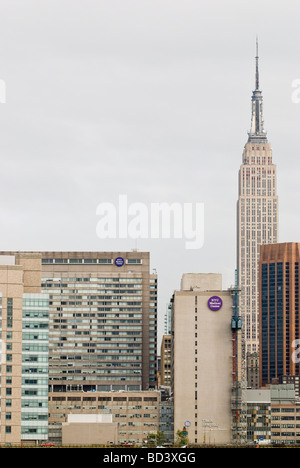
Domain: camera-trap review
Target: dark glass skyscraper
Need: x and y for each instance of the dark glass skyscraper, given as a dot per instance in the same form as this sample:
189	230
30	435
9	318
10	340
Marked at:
279	311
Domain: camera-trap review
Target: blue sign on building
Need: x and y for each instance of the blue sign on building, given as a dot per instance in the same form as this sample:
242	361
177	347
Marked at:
119	261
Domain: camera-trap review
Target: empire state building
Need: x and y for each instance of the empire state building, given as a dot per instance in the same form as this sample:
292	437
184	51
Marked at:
257	216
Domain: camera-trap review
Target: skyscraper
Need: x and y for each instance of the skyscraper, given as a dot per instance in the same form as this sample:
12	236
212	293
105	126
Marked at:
24	319
102	320
202	362
257	216
279	311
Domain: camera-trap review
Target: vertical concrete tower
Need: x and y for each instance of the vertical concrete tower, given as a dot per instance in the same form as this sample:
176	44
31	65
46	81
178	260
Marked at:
257	216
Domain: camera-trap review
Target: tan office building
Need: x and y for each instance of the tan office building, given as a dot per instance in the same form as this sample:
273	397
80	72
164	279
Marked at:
136	415
89	429
165	361
202	358
24	351
272	415
103	320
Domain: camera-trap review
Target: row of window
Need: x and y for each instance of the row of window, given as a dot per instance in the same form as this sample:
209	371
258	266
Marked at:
102	398
102	261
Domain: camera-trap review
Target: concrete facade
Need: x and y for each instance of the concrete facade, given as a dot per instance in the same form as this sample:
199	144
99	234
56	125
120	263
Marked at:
23	370
202	362
87	429
272	415
102	305
136	413
165	364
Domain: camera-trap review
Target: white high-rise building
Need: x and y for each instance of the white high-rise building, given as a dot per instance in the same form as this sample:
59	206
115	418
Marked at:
202	358
257	216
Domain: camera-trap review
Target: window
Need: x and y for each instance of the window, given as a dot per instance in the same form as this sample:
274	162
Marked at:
9	313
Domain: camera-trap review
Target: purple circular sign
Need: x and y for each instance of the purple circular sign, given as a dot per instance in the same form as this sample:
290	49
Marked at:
215	303
119	261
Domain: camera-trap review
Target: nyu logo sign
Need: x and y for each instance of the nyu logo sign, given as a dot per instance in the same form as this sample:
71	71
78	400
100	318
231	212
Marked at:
119	261
215	303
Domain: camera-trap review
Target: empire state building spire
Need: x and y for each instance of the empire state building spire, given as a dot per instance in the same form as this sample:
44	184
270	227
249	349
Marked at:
257	218
257	133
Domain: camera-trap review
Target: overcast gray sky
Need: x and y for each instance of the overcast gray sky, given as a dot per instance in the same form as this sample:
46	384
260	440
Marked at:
148	98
